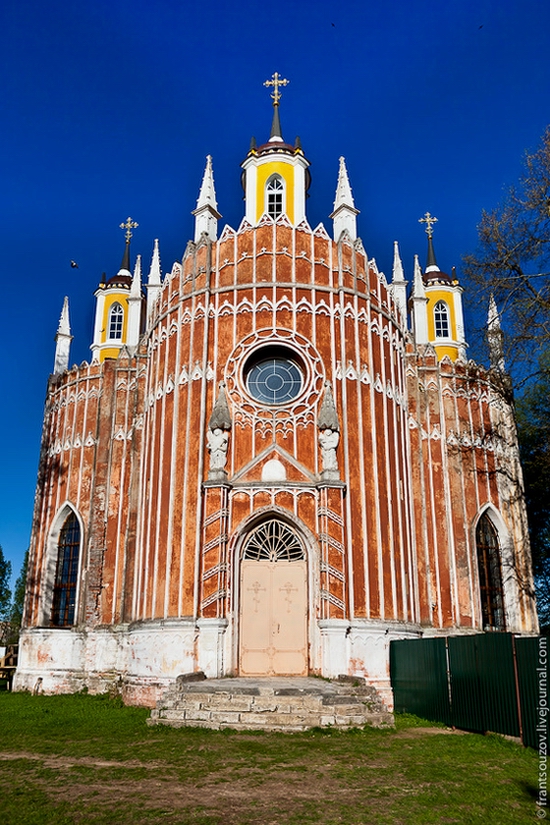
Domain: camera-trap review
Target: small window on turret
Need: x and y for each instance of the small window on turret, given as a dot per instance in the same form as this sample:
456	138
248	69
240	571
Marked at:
116	317
274	191
441	318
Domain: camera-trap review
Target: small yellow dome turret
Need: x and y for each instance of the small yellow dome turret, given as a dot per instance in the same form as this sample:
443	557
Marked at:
443	307
118	307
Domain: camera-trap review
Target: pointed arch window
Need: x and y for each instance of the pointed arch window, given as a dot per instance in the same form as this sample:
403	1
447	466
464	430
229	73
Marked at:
116	319
441	319
66	572
274	195
490	575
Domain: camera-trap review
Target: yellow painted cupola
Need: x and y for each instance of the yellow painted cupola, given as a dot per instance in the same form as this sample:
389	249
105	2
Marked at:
119	306
437	305
275	175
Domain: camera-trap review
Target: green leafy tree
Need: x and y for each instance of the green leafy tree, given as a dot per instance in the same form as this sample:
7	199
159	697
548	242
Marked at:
533	416
513	263
5	597
5	592
16	614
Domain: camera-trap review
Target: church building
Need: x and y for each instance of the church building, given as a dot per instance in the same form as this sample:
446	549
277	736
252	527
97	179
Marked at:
276	461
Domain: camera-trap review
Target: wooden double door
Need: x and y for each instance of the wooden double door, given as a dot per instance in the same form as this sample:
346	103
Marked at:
273	617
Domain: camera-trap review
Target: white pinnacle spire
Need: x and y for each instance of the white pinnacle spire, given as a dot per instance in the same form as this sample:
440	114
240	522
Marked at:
344	213
420	302
397	274
134	306
343	189
154	283
495	337
399	284
418	284
63	340
493	317
154	272
207	195
206	214
64	327
135	290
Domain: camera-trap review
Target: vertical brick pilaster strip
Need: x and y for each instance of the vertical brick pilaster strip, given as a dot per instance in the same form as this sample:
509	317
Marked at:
214	572
334	578
96	543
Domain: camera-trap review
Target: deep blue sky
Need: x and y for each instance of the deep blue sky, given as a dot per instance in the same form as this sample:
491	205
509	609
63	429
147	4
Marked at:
109	109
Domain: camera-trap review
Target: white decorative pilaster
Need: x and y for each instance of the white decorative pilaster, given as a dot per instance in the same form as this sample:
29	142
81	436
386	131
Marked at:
134	307
398	286
459	317
206	214
98	322
419	306
210	646
250	167
335	647
63	340
344	214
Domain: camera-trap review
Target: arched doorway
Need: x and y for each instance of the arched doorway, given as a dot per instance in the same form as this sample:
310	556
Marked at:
273	603
490	575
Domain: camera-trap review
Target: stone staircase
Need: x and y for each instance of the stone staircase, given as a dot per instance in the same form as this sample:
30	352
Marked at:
279	703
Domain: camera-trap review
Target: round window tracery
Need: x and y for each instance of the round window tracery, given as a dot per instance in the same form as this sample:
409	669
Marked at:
274	540
286	417
274	377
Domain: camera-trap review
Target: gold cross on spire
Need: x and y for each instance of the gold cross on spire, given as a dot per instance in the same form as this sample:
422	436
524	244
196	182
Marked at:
128	226
427	219
276	81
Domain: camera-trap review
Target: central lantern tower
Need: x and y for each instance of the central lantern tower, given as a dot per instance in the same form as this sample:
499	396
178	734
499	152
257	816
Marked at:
276	175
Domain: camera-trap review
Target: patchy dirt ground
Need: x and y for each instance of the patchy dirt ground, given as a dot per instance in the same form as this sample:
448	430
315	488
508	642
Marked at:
415	776
88	761
236	795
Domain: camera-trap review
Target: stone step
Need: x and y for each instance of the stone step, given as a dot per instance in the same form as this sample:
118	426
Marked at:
270	704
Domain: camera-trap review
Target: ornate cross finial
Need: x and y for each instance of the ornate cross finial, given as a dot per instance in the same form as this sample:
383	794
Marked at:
128	226
276	82
427	219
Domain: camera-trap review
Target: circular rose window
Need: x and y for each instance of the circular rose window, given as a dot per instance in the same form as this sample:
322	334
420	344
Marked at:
274	376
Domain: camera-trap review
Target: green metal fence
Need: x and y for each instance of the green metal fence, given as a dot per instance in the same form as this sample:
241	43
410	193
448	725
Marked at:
531	655
482	682
419	678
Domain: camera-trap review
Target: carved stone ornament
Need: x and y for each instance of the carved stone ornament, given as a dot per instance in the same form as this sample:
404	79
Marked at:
220	417
329	435
216	442
328	417
217	436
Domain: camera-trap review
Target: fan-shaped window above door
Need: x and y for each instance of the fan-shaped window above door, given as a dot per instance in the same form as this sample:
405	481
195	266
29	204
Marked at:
274	540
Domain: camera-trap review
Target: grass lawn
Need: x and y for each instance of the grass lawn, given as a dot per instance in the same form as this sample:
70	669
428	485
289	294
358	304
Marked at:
90	760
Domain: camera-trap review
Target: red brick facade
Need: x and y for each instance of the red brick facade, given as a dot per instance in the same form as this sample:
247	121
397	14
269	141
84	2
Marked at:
425	448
